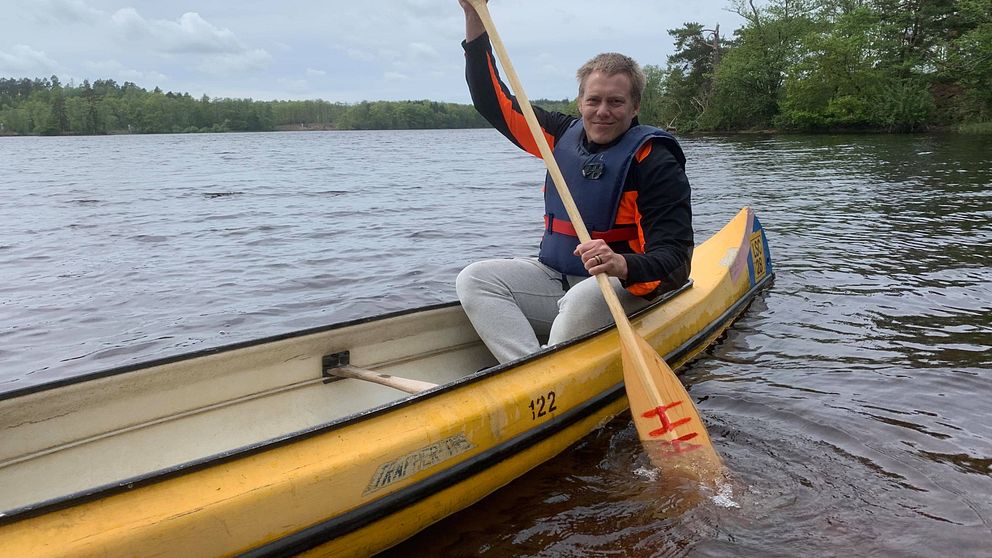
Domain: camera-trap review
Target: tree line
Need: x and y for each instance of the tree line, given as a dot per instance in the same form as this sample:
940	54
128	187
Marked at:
47	107
893	65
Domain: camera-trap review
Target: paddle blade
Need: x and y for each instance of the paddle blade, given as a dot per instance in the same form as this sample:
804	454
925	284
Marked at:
667	421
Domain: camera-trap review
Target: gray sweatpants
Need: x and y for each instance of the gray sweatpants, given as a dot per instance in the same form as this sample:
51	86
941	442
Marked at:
518	304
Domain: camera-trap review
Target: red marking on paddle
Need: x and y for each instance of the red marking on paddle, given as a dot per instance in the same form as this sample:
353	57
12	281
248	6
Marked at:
676	445
666	423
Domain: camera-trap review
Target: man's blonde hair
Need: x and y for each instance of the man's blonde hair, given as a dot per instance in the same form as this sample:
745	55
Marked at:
611	64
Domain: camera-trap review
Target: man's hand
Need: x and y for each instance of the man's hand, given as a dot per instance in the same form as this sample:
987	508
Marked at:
598	257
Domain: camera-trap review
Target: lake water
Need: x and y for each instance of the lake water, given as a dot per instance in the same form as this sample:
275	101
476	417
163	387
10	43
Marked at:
852	403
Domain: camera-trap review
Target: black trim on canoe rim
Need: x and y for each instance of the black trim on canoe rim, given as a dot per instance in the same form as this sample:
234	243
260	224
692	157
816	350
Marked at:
391	503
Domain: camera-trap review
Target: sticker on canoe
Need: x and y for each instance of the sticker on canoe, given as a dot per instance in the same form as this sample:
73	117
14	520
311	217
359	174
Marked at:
729	258
412	463
758	253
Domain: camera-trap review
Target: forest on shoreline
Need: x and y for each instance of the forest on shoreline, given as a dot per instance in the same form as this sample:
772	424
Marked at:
46	107
795	65
831	65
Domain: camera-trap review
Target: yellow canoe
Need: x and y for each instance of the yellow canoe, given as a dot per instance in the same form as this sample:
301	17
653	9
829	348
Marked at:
258	449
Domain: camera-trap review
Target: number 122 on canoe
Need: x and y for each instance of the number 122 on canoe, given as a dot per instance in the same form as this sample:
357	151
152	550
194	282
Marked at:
542	405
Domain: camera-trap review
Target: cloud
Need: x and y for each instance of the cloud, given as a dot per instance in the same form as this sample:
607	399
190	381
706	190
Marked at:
191	34
550	65
423	51
116	70
359	54
23	60
63	11
108	67
294	85
427	9
410	50
235	62
136	76
220	49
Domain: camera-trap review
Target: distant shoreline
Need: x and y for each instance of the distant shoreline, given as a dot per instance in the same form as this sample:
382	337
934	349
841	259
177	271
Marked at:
978	129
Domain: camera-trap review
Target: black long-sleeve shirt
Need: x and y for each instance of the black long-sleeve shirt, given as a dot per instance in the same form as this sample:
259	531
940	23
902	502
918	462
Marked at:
663	196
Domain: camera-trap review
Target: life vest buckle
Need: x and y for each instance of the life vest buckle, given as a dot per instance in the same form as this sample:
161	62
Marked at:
593	170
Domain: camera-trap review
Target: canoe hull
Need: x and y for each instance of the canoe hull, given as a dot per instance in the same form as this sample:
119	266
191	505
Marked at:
357	484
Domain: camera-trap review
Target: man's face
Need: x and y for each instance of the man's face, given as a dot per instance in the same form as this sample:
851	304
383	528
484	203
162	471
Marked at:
606	106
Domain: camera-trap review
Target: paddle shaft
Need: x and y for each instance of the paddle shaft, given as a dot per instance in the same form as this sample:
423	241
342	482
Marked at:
626	331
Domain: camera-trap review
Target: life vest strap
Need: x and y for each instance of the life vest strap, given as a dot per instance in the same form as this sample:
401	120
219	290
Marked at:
613	235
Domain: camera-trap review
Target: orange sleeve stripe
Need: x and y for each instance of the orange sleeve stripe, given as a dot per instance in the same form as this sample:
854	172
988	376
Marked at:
643	152
627	212
641	289
515	121
637	245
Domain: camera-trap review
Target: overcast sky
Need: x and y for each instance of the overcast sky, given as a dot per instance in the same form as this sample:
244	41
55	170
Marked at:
337	50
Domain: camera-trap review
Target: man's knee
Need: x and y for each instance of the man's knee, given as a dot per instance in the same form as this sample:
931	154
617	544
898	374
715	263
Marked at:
581	310
475	278
471	272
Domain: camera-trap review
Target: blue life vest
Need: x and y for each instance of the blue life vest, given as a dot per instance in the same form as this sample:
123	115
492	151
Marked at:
596	182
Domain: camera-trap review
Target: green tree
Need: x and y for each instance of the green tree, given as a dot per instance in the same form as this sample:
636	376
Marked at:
58	121
964	88
835	82
685	90
749	81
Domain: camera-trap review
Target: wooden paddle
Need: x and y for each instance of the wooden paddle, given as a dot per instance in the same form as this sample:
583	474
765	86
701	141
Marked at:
666	419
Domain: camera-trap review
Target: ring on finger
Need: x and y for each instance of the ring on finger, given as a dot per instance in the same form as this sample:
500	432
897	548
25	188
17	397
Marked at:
599	261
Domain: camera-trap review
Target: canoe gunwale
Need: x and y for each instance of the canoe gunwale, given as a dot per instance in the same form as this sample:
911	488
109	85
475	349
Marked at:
402	498
118	370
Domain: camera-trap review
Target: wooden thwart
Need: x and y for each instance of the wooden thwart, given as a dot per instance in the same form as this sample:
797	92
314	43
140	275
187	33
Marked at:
403	384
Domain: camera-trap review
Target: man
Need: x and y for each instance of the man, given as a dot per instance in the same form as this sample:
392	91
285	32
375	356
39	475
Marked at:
629	184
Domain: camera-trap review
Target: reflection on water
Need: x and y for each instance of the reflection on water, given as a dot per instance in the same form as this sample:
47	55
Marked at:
849	402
